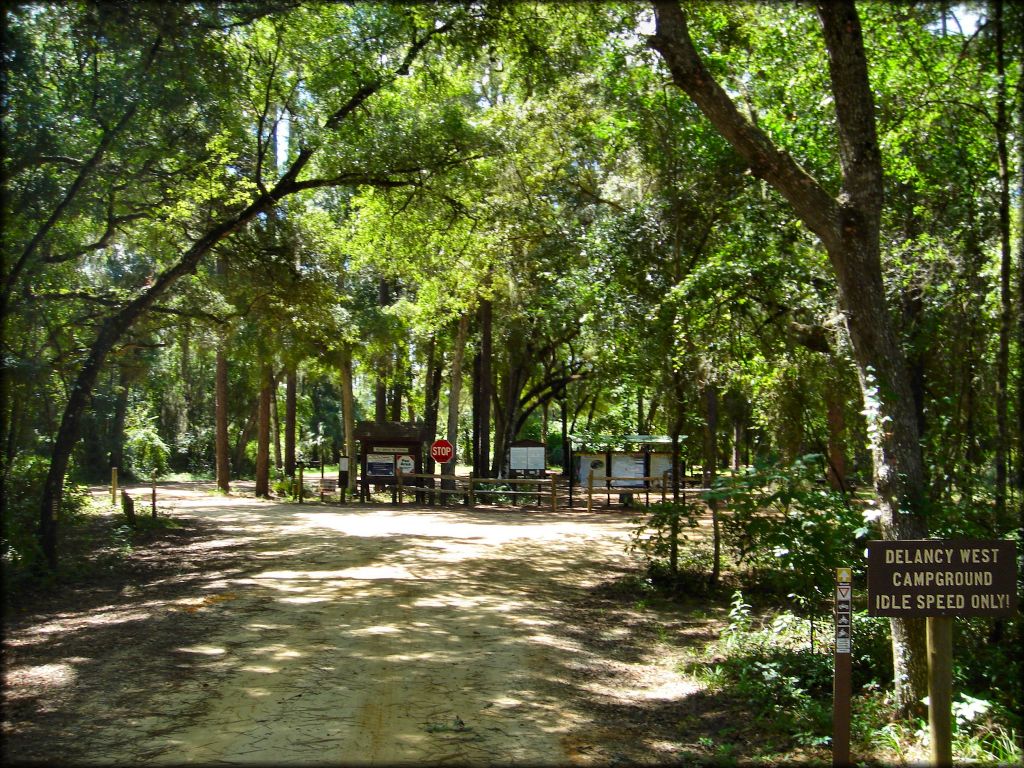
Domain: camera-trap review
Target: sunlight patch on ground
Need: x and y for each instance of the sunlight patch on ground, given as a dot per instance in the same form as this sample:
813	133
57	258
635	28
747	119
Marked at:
307	600
55	675
379	629
205	650
98	617
369	572
553	641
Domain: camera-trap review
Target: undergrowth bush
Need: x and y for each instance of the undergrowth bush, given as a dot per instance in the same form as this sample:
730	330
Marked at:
19	546
770	665
653	536
788	529
145	452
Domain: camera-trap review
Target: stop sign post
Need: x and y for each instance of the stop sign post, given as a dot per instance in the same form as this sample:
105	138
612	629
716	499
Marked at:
442	451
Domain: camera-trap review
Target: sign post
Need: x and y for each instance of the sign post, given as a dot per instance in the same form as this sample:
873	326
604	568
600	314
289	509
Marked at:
842	688
938	580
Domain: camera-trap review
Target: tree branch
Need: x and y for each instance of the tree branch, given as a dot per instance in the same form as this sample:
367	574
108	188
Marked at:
815	207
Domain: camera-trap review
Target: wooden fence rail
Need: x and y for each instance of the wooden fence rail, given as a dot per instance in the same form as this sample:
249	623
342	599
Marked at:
602	486
467	486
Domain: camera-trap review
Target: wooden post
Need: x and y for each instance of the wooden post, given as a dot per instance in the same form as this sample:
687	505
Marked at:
128	507
554	495
572	476
673	544
301	465
842	686
472	493
940	689
113	486
400	488
154	493
590	491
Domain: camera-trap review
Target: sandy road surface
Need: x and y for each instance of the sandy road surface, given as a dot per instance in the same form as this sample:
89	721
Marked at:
312	634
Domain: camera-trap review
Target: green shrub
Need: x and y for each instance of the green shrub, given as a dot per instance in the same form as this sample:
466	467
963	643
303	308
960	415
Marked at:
787	687
653	539
144	449
19	546
788	529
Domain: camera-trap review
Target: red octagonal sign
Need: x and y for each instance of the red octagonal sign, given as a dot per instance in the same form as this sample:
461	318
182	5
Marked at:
442	451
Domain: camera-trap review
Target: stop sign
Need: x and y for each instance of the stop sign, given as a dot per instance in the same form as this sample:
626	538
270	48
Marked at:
441	451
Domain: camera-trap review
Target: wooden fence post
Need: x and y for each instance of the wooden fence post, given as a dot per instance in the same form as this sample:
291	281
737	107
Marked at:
554	495
940	689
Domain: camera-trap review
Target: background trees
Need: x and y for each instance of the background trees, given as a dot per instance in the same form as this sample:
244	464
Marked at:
215	214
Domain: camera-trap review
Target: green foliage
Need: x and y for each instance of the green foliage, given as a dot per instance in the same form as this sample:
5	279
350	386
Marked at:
19	547
145	451
653	537
786	685
789	529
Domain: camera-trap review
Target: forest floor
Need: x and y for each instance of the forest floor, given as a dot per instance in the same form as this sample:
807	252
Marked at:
262	632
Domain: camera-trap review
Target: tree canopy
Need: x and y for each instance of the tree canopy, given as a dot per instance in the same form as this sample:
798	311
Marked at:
626	210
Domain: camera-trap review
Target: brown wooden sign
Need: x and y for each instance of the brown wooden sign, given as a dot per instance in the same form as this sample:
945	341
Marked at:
942	578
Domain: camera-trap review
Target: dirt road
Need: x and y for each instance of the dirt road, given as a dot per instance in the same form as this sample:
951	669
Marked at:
310	634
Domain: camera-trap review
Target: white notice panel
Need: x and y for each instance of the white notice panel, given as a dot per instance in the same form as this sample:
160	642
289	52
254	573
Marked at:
591	462
630	465
526	457
660	464
535	458
517	457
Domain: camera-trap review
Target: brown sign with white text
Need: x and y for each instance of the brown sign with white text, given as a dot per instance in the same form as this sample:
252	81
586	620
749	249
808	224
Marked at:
942	578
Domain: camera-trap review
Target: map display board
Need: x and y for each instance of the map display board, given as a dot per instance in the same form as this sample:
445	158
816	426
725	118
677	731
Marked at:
628	465
527	458
380	465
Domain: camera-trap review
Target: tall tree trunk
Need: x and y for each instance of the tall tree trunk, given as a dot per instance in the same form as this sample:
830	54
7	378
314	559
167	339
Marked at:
291	385
505	431
185	343
120	416
1005	294
710	472
263	434
275	430
380	399
1020	291
222	461
486	381
849	228
835	472
348	414
396	401
652	411
544	423
566	453
640	427
454	392
431	396
478	460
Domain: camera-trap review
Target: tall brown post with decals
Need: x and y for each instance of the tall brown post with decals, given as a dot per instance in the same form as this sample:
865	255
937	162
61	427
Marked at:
842	688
